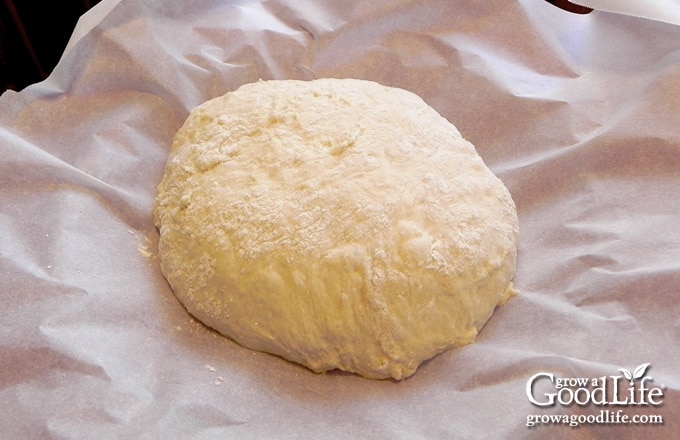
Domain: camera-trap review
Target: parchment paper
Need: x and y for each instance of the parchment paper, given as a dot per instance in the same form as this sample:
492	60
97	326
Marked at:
667	11
577	114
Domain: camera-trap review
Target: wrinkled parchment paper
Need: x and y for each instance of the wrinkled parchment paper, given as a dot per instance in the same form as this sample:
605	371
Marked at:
667	11
577	114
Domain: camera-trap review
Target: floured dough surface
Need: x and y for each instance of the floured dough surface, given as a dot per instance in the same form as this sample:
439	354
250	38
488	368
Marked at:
339	224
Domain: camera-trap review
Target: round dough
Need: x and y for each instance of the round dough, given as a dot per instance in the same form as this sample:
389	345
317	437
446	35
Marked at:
337	223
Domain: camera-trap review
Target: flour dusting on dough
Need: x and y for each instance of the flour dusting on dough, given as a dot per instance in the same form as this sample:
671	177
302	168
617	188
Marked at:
339	224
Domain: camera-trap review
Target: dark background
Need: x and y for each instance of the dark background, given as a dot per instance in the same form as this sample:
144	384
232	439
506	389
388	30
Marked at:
33	35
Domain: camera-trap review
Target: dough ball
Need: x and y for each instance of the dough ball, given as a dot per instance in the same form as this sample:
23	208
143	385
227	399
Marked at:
337	223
